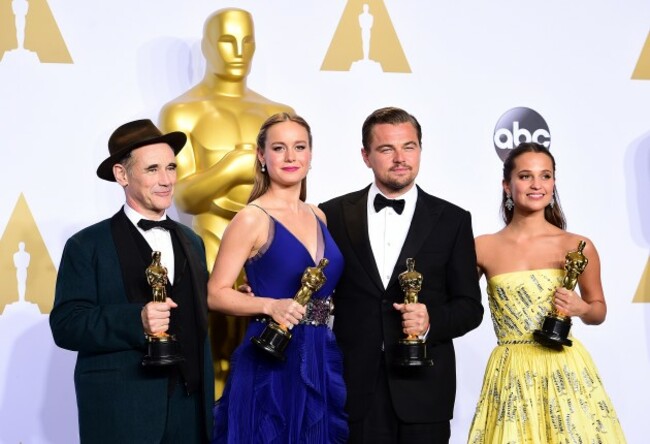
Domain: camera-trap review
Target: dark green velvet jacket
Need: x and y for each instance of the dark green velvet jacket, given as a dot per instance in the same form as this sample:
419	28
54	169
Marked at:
118	400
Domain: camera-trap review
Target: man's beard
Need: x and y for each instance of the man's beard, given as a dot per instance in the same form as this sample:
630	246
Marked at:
394	185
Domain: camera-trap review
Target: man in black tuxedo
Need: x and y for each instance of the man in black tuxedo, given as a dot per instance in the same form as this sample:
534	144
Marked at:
377	229
103	304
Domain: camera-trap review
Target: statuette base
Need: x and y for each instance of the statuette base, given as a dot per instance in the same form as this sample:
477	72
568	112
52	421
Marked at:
273	340
162	351
412	353
554	332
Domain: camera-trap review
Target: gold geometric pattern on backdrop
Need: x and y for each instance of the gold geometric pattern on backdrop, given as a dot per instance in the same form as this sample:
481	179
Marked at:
28	31
642	70
25	263
643	290
346	49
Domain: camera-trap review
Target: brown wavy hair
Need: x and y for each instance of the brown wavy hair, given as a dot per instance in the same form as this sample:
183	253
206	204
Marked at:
390	115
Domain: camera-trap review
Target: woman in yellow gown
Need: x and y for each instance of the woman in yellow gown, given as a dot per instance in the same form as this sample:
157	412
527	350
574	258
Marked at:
532	393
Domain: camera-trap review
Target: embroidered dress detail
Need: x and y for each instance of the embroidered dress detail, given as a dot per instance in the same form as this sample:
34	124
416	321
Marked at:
532	394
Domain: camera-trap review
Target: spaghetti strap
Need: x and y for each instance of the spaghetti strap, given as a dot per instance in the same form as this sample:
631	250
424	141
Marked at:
270	235
257	206
318	219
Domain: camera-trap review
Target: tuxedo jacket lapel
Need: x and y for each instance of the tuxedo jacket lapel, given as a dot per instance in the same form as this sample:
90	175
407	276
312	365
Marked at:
133	254
355	216
424	219
199	285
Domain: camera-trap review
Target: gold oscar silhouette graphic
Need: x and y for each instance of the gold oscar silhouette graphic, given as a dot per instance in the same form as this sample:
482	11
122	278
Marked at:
642	68
411	351
365	41
275	337
221	117
555	329
28	275
643	289
29	33
162	348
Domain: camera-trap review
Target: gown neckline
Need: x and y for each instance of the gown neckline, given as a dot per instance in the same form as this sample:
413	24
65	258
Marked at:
304	247
532	270
319	236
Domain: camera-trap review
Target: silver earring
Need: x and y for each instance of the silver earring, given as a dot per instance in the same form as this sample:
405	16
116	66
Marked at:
552	202
509	203
263	168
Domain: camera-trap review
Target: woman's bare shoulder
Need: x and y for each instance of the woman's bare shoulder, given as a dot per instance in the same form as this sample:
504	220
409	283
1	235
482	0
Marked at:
489	239
250	217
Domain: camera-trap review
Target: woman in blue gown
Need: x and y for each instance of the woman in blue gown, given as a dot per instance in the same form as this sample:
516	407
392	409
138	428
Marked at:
275	238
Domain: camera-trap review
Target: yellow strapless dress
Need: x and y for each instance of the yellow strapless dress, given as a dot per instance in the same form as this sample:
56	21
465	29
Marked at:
532	394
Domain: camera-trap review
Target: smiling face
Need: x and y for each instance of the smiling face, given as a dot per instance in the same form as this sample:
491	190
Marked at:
532	182
393	155
148	179
286	153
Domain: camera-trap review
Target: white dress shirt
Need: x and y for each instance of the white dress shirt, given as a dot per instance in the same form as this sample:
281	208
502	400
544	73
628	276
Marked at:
158	239
387	230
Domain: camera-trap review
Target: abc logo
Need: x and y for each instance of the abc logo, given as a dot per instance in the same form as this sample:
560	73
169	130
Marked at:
519	125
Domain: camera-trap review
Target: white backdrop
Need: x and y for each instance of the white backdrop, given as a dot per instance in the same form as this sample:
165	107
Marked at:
470	61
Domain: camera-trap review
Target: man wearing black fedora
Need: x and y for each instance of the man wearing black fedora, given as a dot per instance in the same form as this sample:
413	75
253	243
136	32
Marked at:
103	306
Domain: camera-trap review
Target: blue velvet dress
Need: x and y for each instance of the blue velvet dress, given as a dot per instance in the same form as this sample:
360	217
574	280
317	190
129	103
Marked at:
302	399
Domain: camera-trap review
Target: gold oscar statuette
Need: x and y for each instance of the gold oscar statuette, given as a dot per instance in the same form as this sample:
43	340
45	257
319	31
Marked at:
555	329
275	337
162	348
411	351
221	116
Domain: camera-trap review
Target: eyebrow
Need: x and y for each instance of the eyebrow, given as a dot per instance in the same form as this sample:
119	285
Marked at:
297	142
530	171
393	145
156	165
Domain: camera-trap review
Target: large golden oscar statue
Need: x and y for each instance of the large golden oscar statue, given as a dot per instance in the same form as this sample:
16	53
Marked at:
221	117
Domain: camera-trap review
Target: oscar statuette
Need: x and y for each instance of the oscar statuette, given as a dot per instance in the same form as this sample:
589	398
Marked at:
411	351
555	329
162	348
275	337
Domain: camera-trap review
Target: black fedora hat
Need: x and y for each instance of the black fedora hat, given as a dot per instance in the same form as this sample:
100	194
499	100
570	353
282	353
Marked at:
134	135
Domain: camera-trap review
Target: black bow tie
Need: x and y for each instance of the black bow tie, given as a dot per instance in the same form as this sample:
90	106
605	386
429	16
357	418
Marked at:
146	224
381	202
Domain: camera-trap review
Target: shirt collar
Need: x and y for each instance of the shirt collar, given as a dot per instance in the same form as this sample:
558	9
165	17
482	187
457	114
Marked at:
134	216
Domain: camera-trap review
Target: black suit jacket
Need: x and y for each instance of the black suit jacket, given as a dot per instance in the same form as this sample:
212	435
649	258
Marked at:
442	243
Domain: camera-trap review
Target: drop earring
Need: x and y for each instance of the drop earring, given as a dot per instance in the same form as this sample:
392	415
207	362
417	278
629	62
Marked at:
552	202
263	168
510	204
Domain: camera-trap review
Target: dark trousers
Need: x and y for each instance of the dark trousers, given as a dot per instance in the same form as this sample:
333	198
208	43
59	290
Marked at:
184	418
382	426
